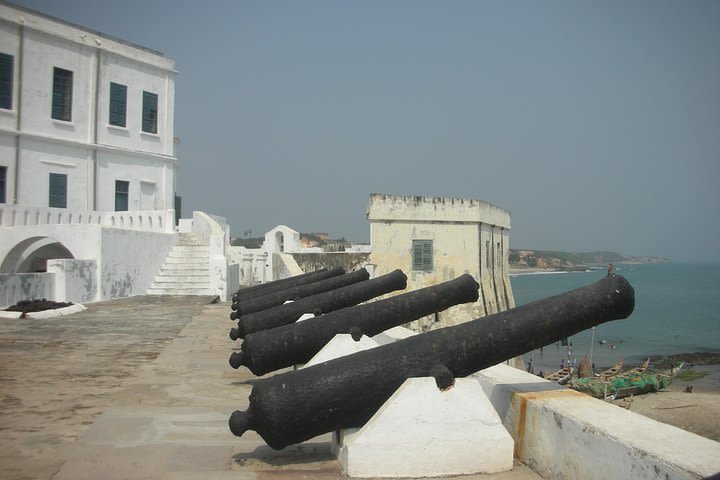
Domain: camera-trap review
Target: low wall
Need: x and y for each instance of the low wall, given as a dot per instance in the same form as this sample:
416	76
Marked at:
25	286
561	433
284	266
311	261
150	220
130	259
75	280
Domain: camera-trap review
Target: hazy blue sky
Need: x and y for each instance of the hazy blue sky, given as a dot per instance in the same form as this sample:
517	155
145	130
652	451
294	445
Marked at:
597	124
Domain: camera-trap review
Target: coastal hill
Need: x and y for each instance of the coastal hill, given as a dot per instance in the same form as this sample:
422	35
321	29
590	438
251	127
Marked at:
552	260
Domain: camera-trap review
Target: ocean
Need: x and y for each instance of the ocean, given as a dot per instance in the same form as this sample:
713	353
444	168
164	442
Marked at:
677	310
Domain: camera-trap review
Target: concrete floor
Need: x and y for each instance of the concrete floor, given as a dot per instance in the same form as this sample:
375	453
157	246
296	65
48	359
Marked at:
139	388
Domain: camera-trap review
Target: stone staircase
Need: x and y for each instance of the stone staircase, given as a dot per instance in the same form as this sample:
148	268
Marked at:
186	270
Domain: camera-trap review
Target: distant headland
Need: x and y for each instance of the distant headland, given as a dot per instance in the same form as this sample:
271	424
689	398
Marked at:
524	260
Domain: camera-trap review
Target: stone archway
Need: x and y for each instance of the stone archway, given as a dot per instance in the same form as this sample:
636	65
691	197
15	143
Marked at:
31	255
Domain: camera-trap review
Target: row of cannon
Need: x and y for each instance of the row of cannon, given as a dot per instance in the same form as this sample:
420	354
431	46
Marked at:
297	405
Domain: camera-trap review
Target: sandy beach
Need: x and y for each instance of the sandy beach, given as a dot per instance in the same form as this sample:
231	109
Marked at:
696	411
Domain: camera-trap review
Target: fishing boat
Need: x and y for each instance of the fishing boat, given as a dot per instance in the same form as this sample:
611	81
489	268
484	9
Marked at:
612	371
625	385
637	370
561	377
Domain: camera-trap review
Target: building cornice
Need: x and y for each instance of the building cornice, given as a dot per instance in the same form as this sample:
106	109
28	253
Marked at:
56	27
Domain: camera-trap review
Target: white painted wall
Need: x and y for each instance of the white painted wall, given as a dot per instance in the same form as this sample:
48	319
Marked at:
38	159
124	269
91	152
75	280
9	44
561	433
7	159
138	172
25	286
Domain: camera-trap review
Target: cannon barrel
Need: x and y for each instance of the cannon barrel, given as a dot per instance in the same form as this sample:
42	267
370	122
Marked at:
295	406
277	285
269	350
278	298
319	304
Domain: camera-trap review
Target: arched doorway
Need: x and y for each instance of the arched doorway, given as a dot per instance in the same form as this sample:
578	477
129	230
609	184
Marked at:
32	254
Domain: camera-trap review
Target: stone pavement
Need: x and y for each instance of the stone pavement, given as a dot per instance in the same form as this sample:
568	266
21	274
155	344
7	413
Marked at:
139	388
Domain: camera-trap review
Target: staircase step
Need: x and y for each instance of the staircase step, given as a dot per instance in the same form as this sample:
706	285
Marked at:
178	291
186	260
181	280
181	285
185	267
189	254
191	248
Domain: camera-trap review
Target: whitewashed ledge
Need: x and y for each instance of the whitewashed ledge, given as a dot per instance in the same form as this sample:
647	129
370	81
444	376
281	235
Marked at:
56	312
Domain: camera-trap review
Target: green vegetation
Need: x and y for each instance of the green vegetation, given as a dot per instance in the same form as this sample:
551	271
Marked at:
690	375
247	242
583	258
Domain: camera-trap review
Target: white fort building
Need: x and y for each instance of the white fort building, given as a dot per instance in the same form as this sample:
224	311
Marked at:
88	170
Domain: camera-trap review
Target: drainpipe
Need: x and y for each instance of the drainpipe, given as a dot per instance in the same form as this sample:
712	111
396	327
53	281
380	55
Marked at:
93	165
18	123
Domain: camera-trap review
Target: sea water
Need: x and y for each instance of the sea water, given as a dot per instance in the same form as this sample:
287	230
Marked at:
677	310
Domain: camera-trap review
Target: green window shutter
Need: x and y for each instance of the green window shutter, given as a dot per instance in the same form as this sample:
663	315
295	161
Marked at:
3	183
150	112
118	104
122	195
6	80
422	255
62	94
58	190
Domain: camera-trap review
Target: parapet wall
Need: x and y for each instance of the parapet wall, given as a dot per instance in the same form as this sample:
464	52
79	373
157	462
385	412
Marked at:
310	262
435	209
561	433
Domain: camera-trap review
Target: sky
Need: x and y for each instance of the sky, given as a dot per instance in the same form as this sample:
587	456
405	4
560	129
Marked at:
596	124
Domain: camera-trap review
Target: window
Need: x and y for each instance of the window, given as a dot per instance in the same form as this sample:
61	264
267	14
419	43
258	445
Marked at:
118	104
3	183
62	94
149	112
121	195
58	190
422	251
487	253
6	81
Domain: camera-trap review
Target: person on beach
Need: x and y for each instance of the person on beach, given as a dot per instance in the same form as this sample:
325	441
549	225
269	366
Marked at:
611	268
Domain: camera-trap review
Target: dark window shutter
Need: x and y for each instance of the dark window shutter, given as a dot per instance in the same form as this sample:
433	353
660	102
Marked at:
58	190
122	189
118	104
422	255
149	113
3	183
6	80
62	94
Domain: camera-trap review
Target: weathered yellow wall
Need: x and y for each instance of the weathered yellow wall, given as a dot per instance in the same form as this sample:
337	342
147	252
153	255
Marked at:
459	246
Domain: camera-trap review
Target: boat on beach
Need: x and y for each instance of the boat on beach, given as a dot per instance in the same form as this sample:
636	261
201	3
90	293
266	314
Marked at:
561	377
612	371
632	382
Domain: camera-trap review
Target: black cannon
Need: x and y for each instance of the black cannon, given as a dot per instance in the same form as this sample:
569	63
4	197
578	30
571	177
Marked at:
319	304
346	392
277	285
269	350
257	304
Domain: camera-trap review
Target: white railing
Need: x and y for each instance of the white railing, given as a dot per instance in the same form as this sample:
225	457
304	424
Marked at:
147	220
